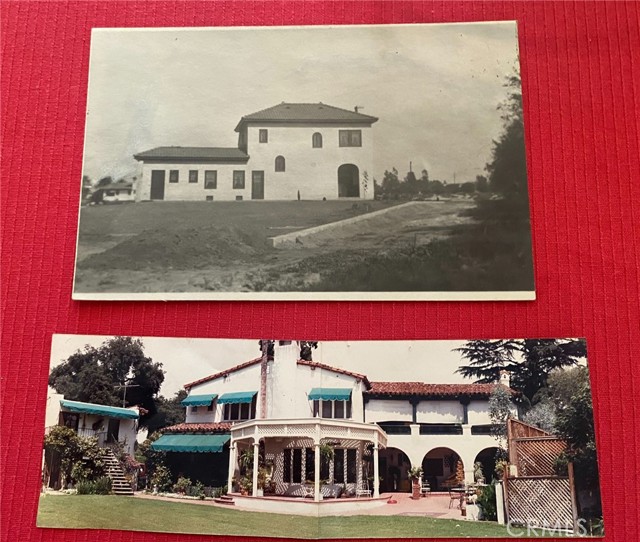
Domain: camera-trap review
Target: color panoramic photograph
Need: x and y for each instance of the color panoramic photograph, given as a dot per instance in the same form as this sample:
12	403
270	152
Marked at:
407	180
321	439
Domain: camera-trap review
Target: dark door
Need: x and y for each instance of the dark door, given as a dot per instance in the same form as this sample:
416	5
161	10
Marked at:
157	184
348	181
257	185
113	430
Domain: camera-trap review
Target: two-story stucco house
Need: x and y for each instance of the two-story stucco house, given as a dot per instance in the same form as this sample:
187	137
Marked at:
287	409
286	152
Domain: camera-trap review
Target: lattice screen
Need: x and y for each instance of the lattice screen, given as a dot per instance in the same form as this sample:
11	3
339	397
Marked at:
542	502
536	457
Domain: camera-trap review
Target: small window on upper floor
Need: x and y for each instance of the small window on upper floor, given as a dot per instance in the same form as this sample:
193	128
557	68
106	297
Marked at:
263	135
280	163
350	138
316	140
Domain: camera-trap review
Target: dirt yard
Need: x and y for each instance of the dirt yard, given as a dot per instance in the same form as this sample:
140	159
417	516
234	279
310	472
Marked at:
225	247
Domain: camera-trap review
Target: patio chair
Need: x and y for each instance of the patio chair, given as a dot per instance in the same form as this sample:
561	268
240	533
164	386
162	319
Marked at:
425	488
363	489
455	495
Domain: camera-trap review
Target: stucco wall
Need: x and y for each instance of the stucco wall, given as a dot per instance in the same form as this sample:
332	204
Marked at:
440	412
183	190
391	410
312	171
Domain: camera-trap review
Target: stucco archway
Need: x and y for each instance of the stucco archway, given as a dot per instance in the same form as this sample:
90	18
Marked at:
440	466
348	181
394	465
487	458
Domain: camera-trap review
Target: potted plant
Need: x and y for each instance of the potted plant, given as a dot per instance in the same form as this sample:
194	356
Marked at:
263	474
415	473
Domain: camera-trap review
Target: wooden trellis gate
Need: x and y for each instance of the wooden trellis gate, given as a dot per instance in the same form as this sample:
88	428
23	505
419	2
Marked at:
534	494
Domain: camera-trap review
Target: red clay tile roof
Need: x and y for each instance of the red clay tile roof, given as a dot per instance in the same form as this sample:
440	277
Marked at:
306	112
223	373
255	361
197	154
315	364
422	389
221	427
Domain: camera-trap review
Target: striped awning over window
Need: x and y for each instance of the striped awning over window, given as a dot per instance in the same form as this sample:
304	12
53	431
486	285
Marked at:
199	400
237	397
330	394
190	443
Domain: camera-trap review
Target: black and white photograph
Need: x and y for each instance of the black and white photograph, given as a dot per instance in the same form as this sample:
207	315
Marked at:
322	162
321	439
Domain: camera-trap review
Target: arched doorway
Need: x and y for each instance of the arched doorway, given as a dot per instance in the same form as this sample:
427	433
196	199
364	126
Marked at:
442	468
348	181
394	465
487	459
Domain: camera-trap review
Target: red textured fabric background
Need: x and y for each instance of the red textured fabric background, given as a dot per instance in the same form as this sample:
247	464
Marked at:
582	107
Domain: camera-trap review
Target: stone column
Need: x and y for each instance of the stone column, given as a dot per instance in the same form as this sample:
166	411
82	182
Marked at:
256	463
376	472
316	482
232	465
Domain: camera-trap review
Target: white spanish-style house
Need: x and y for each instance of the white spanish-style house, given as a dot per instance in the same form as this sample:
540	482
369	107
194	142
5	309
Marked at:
286	152
288	409
107	423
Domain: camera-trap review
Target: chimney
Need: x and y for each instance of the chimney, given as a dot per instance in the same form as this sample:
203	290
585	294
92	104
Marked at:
505	378
283	385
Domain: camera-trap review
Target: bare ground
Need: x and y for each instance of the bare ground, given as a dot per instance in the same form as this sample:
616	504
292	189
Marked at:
228	251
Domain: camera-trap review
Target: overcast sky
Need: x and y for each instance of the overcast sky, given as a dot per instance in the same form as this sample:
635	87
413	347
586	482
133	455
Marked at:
434	88
186	360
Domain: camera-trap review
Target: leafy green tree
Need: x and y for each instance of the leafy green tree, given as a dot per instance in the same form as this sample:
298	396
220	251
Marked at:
390	181
116	372
508	169
542	415
499	408
104	181
169	412
529	361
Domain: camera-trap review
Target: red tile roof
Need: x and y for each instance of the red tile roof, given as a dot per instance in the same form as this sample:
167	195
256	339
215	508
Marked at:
223	373
315	364
198	154
307	112
312	364
422	389
221	427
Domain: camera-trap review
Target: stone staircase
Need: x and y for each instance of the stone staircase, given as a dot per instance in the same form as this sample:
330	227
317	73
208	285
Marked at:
119	484
224	499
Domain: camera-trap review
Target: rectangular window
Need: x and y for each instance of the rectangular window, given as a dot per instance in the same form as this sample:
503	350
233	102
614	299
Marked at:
234	412
338	466
210	179
332	409
351	466
263	136
238	179
174	176
194	409
297	466
193	175
350	138
286	466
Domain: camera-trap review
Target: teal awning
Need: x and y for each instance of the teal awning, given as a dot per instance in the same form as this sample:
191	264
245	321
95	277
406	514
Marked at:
237	397
100	410
330	394
199	400
190	443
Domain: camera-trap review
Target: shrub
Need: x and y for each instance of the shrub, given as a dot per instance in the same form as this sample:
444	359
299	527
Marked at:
182	485
196	490
100	486
487	501
161	478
